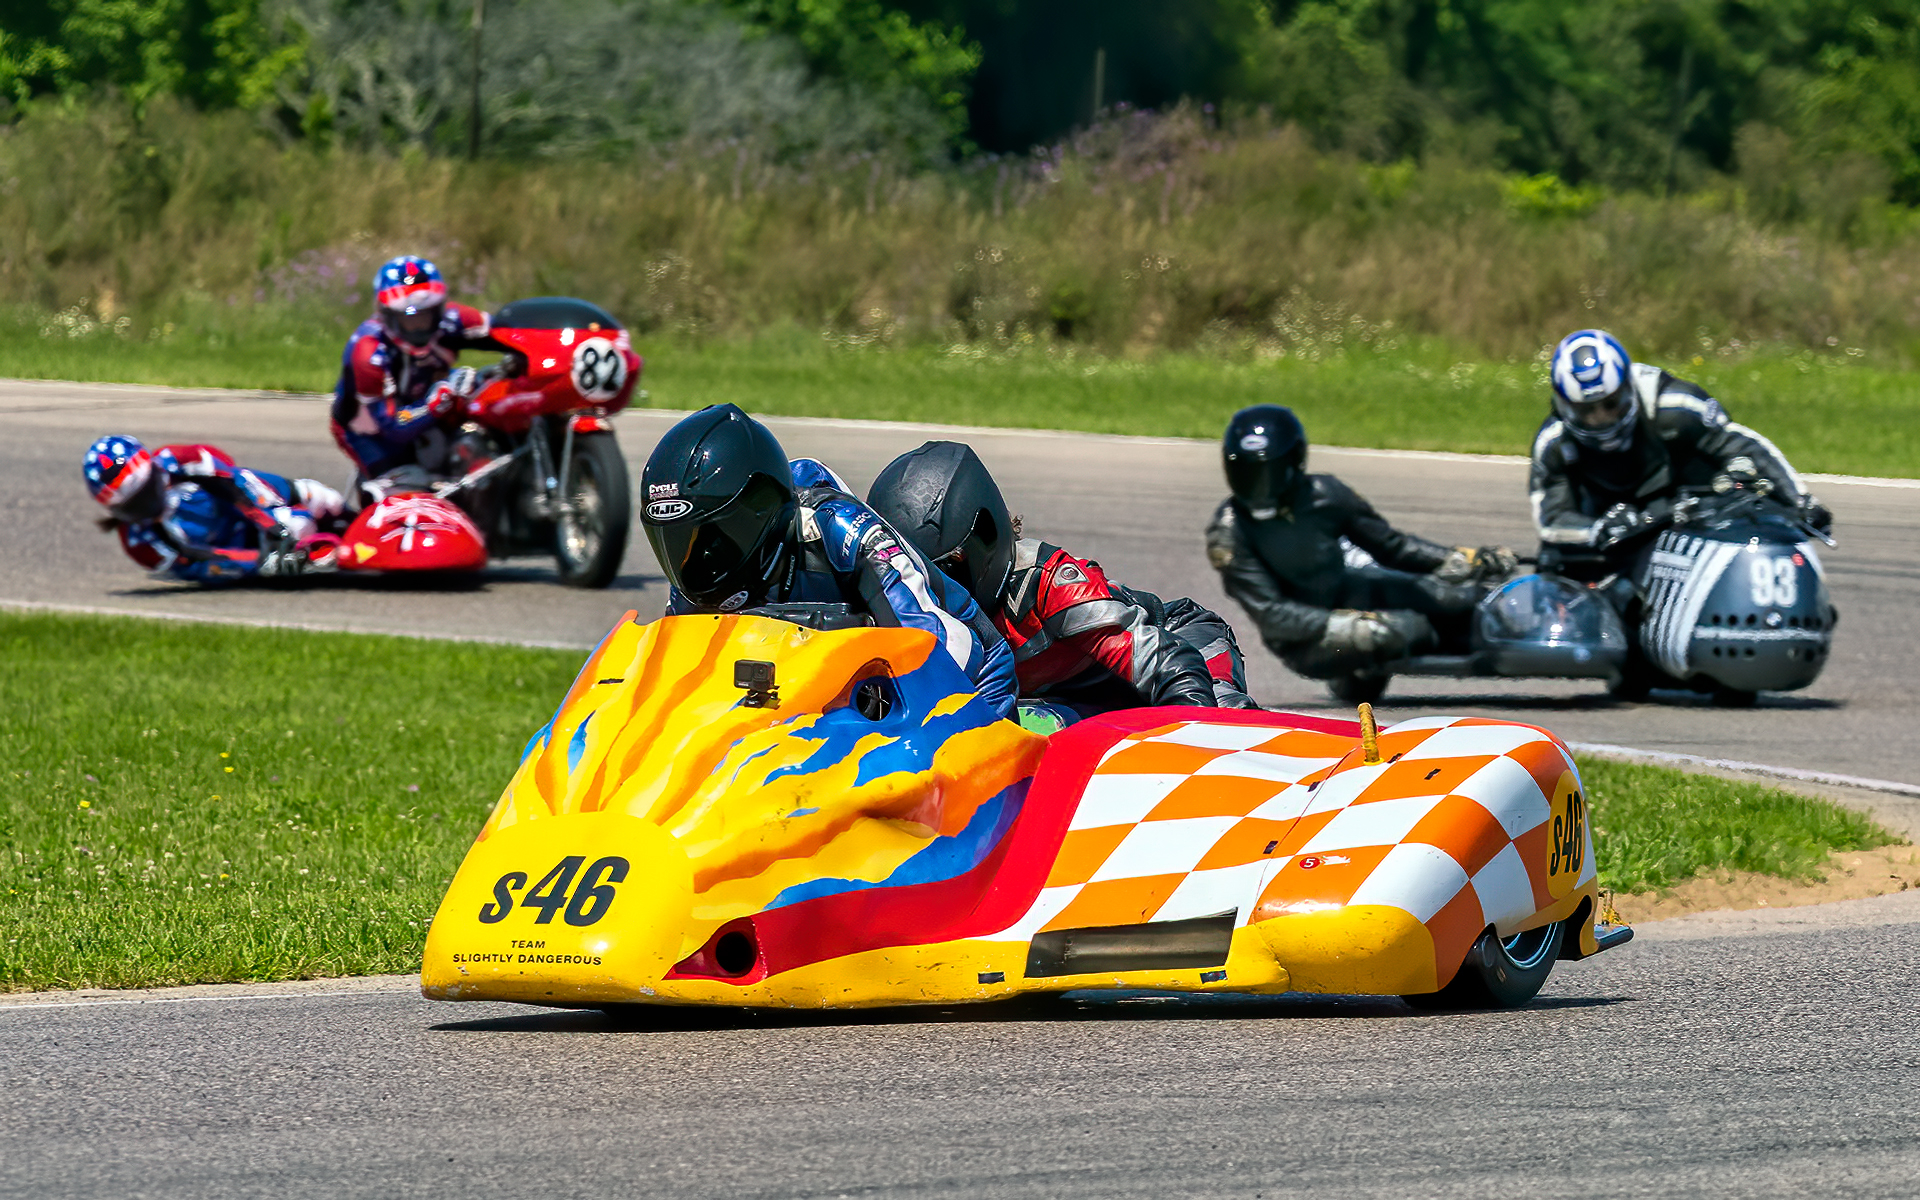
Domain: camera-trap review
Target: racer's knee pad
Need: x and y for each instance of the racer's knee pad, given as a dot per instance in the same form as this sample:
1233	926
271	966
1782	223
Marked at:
319	499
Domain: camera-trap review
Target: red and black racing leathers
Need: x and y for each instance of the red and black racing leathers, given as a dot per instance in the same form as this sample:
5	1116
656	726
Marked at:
1081	639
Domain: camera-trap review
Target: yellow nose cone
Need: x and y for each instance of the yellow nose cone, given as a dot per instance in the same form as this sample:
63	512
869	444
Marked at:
582	909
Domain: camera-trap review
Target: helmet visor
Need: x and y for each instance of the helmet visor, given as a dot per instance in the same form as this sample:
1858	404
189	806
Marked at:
415	326
1601	421
712	558
1260	483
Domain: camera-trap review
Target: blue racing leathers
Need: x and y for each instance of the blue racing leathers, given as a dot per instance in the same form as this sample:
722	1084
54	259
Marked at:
840	551
221	521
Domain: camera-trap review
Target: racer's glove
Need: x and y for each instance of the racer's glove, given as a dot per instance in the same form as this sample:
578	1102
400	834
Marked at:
1363	633
1816	515
283	564
1621	522
1741	474
444	398
1466	564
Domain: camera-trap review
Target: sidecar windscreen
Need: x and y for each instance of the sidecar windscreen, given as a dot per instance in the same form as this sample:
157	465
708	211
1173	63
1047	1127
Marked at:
710	558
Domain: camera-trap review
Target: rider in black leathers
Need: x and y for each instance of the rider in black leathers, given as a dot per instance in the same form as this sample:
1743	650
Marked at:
1624	438
1281	543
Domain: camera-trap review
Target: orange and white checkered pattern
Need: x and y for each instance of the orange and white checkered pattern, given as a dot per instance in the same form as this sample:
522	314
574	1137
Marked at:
1194	819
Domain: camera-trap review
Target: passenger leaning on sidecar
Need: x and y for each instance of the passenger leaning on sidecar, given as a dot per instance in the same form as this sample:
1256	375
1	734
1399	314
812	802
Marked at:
1280	543
1624	438
189	512
1078	638
397	379
733	531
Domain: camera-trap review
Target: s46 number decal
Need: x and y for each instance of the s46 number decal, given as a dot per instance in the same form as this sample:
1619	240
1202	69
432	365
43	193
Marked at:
1566	837
586	905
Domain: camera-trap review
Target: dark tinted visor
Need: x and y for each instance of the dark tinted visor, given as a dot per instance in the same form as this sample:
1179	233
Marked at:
1259	483
145	504
1602	413
417	326
711	558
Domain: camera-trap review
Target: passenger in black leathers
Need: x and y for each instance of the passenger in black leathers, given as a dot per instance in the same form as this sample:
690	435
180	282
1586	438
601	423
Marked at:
1281	544
1624	439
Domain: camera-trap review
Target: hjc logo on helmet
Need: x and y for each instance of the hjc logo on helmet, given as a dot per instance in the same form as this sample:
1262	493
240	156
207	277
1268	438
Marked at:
668	510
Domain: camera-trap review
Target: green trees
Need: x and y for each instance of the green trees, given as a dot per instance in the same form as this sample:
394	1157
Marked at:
216	53
1815	104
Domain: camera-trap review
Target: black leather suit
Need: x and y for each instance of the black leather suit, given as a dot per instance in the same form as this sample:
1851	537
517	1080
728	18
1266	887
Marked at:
1290	571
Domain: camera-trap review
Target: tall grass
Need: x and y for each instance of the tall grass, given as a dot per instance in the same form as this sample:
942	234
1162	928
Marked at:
1146	232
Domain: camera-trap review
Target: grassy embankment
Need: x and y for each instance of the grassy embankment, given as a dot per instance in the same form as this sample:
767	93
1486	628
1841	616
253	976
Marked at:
185	803
1148	276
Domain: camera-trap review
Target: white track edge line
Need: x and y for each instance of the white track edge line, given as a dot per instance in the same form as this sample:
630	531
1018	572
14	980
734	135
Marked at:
90	1003
1729	764
301	626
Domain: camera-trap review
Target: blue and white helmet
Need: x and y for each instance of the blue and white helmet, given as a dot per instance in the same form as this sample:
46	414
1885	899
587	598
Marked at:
1593	389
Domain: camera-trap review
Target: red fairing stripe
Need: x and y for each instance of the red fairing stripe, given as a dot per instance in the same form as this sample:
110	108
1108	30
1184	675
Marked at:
1003	887
591	423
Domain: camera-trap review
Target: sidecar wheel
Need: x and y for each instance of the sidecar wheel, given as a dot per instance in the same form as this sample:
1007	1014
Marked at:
590	540
1357	688
1726	697
1499	972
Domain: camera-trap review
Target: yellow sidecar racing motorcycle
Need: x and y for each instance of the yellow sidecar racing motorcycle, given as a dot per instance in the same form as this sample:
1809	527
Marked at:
753	811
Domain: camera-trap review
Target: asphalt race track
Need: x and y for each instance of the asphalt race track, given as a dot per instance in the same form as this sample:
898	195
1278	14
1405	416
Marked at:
1738	1056
1770	1054
1137	505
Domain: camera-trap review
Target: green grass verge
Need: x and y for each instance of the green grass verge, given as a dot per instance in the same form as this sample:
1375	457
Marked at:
1828	412
188	803
1654	827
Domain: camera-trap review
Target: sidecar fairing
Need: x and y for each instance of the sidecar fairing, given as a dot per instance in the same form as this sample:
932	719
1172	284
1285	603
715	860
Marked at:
850	826
1740	604
412	531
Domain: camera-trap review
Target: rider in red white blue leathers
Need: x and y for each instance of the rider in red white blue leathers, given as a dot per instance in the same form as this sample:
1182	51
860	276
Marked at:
397	377
189	512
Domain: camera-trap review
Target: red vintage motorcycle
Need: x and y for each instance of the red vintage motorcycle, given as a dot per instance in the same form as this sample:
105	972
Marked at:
542	473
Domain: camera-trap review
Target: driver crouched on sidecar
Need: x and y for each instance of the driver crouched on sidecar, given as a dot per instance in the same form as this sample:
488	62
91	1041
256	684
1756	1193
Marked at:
1280	544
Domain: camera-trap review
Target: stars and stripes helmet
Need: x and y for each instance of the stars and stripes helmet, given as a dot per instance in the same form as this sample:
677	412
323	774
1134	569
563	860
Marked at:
120	474
1593	389
411	297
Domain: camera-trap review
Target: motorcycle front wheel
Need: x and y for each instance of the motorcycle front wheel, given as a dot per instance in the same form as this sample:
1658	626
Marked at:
590	537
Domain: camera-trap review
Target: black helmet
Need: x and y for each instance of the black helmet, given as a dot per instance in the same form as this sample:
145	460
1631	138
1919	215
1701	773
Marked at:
1266	457
943	499
720	507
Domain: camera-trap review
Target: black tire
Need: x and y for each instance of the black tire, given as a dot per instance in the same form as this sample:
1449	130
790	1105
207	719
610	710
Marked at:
1726	697
1498	973
1634	684
1358	688
591	539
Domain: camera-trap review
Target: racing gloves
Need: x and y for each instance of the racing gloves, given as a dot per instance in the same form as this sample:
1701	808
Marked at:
1621	522
1363	633
1470	564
